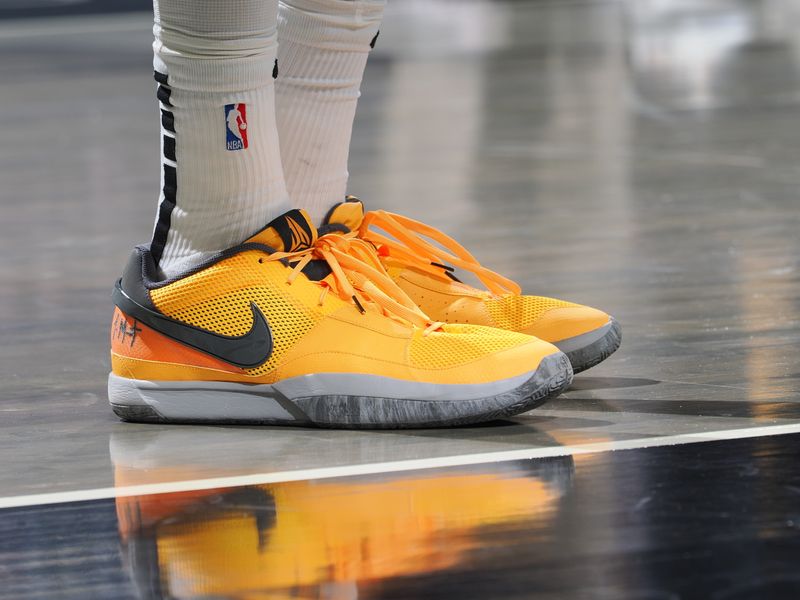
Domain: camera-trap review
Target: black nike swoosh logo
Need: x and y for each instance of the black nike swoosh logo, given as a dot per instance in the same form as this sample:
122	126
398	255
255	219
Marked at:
247	351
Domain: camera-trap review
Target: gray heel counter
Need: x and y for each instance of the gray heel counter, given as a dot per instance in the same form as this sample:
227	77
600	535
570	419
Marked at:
138	272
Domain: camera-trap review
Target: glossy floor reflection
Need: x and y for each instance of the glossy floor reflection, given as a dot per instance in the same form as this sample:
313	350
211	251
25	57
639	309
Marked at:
637	156
327	538
713	520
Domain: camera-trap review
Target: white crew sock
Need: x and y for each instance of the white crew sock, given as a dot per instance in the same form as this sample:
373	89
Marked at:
323	48
214	61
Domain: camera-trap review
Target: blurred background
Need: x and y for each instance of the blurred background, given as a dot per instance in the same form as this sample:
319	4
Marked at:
642	156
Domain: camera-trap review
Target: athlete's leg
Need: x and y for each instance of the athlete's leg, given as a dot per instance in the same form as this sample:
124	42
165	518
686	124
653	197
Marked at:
222	178
323	48
261	334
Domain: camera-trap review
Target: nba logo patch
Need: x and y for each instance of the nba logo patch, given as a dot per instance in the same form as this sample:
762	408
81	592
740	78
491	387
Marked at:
236	126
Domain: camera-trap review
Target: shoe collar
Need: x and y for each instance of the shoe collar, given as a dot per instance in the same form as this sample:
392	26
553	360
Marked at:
293	231
344	217
290	232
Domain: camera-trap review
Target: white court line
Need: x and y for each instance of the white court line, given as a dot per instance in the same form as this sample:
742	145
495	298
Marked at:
391	466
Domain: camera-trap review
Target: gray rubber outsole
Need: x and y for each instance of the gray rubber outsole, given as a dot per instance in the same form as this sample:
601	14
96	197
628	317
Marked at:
553	376
595	353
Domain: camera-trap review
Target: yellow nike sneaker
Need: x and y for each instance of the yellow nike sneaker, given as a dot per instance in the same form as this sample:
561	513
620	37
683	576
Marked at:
422	269
289	328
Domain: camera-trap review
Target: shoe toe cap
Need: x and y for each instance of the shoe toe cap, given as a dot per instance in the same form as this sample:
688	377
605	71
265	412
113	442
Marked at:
562	323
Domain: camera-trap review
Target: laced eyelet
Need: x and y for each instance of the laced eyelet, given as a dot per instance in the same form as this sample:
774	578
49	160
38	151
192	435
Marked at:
260	260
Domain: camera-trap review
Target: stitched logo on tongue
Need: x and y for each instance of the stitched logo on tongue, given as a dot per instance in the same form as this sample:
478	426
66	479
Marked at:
290	232
300	238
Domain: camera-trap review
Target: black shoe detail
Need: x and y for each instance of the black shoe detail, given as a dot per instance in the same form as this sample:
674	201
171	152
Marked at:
138	271
294	231
315	270
246	351
332	228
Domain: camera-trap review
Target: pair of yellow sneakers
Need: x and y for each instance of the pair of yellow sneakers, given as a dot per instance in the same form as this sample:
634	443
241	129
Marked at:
342	327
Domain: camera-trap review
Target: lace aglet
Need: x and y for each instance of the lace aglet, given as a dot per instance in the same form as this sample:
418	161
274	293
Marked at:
358	304
441	266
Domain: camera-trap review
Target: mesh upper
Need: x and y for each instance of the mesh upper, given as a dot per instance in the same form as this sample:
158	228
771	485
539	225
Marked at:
218	299
519	312
471	342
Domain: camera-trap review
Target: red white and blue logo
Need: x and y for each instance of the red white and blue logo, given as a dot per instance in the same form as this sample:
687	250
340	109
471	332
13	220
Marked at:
236	126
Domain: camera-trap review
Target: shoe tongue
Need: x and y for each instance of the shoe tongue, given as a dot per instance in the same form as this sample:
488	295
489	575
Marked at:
291	232
349	213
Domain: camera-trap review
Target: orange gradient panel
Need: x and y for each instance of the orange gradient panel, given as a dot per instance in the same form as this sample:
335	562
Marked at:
132	339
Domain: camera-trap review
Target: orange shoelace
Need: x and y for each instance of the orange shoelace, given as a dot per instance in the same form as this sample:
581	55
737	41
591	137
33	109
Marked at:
410	247
358	276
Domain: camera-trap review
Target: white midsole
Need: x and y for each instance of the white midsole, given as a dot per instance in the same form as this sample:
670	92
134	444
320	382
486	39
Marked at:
145	392
583	340
233	400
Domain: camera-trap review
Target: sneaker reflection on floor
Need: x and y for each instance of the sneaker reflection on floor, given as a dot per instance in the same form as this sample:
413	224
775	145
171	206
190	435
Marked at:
326	538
